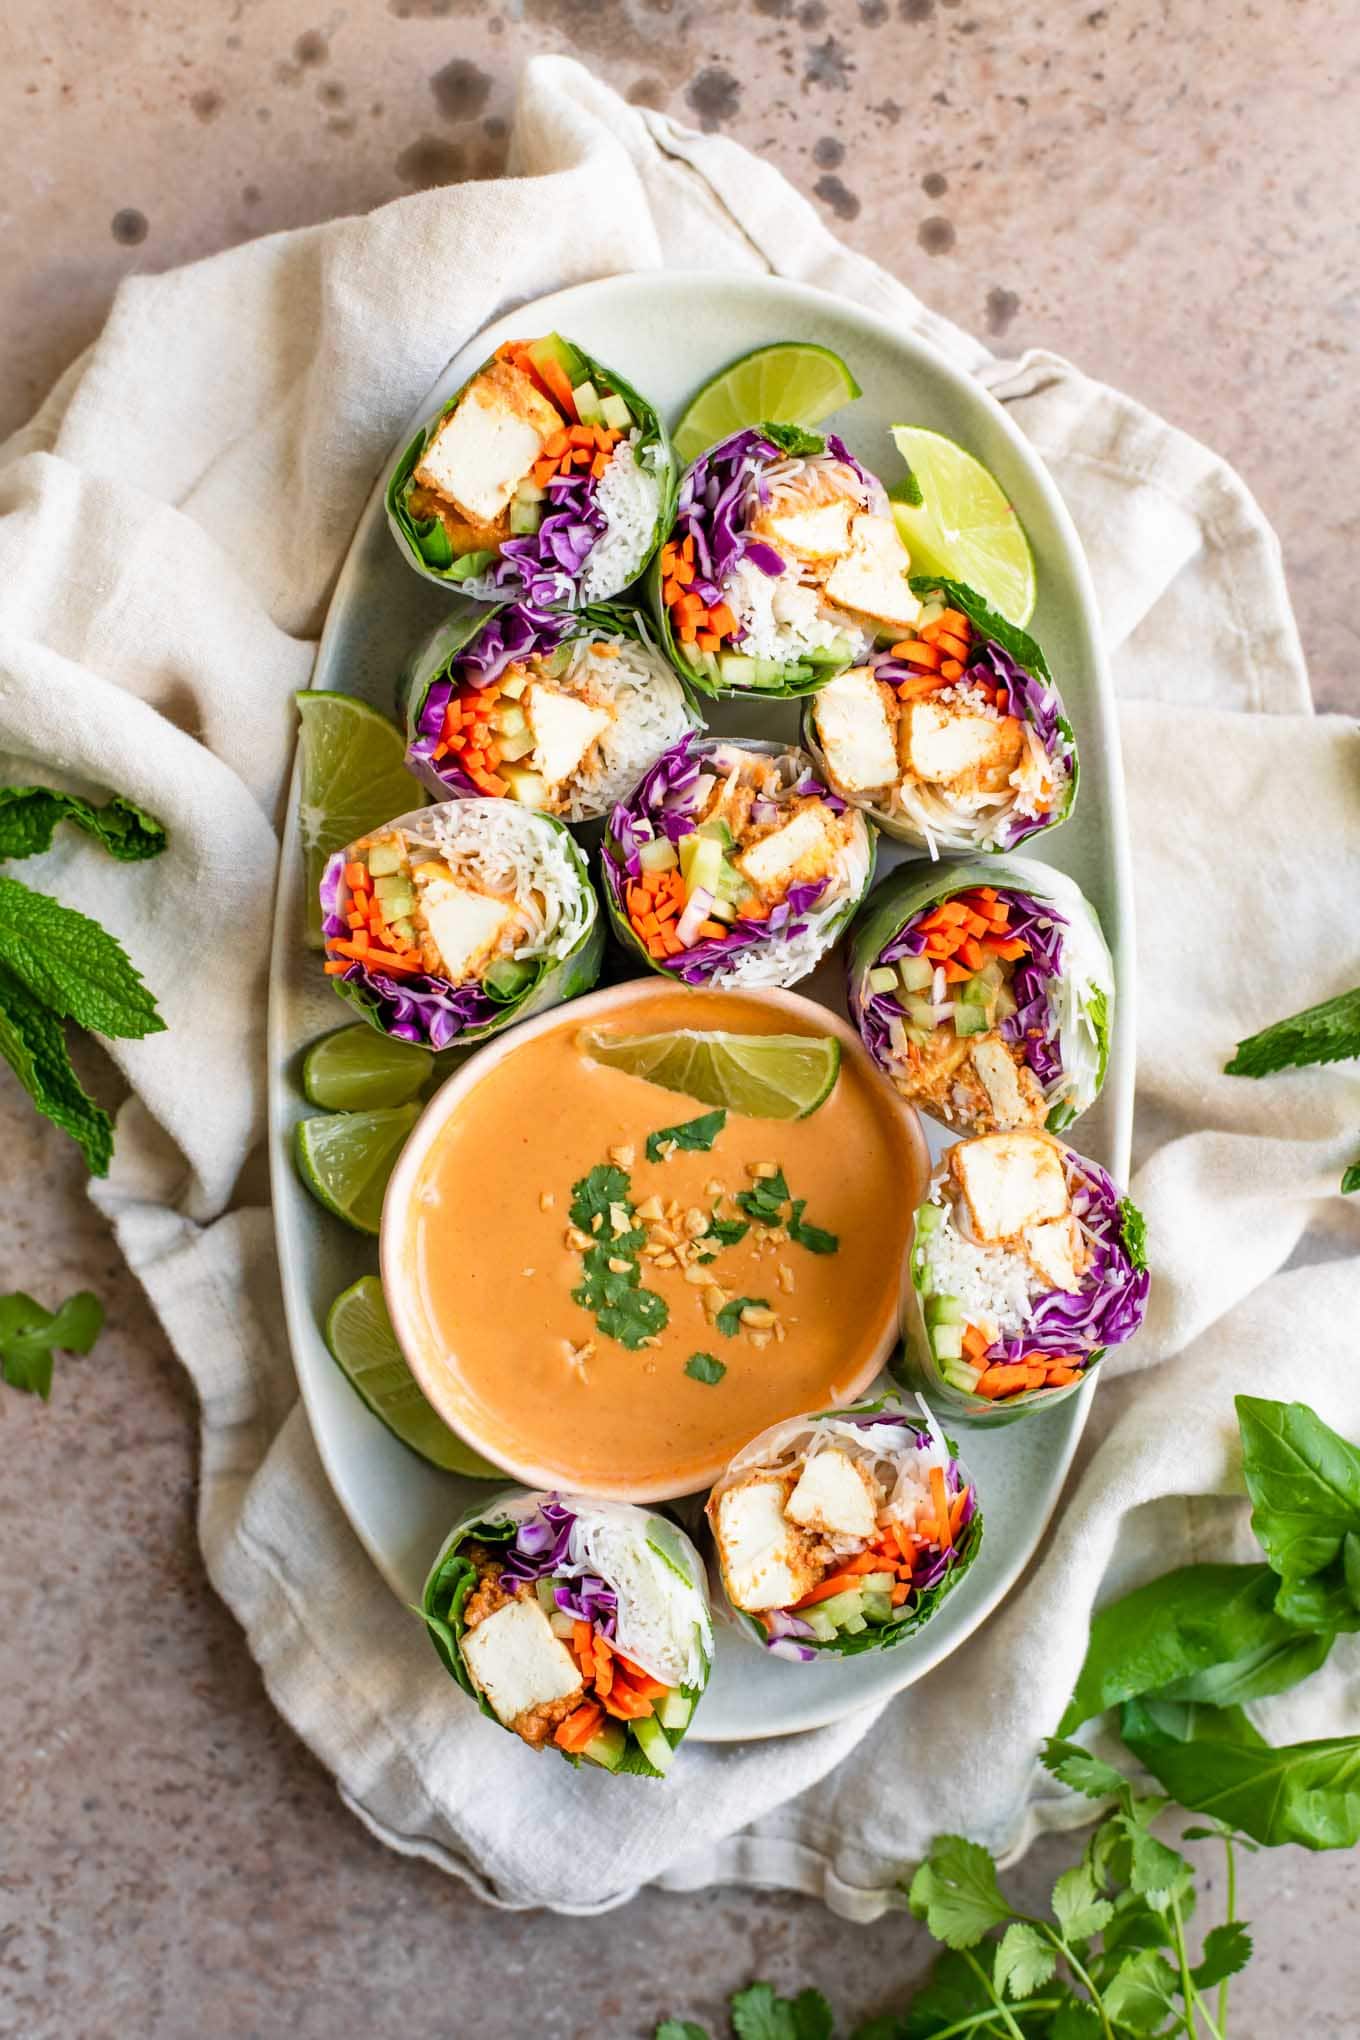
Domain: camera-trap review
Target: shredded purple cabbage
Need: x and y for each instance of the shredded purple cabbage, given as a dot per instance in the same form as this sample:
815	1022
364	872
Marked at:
1033	1027
660	805
541	1547
426	1010
513	634
544	567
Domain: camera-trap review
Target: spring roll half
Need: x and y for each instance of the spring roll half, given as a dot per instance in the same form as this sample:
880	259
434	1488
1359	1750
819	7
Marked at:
985	993
782	566
450	923
545	477
955	737
1026	1266
731	864
581	1626
561	710
844	1531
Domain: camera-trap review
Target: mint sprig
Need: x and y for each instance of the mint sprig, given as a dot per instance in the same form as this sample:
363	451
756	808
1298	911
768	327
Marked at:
29	816
1329	1032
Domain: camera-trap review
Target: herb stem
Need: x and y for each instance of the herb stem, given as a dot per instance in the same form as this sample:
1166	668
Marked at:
1231	1855
1082	1975
1193	2001
990	1989
976	2019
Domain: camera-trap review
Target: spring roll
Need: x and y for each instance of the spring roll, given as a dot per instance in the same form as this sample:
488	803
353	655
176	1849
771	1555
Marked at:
843	1532
731	864
985	993
955	737
581	1626
544	478
782	566
1027	1265
451	922
560	710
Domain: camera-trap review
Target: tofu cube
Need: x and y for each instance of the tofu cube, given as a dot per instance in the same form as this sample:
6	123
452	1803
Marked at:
1056	1251
802	848
834	1497
1012	1088
516	1661
765	1558
464	926
488	444
870	579
855	730
1010	1181
564	730
820	532
948	746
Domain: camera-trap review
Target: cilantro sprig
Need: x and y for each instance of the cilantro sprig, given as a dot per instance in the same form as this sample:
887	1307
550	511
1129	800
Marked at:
611	1285
30	1335
695	1135
728	1319
765	1203
705	1367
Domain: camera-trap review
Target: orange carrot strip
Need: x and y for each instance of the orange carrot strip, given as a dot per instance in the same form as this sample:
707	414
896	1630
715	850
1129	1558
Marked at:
558	384
1002	1378
956	1509
721	619
707	640
975	1341
579	1728
835	1583
356	874
941	1502
335	969
950	646
898	1594
918	652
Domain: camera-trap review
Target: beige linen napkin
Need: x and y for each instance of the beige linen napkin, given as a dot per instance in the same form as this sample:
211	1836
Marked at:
170	525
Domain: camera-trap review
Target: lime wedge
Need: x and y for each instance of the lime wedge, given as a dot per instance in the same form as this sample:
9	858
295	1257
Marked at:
354	779
766	1076
364	1347
964	527
358	1069
791	383
345	1159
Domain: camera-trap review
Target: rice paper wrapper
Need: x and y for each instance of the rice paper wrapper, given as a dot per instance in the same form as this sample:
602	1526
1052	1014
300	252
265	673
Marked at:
1083	1004
524	568
632	1573
437	1014
475	644
1016	659
890	1436
1084	1324
714	962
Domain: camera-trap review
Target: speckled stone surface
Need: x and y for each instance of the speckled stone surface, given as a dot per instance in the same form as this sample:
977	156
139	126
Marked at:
1163	190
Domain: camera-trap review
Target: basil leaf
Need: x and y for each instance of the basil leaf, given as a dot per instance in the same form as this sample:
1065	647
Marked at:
1304	1483
1272	1668
1308	1793
1324	1602
1186	1621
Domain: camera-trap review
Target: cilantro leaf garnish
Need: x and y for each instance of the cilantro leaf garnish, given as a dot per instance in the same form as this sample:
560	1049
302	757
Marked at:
758	2014
29	1335
729	1317
30	814
1351	1180
636	1317
592	1196
767	1200
1134	1227
697	1135
727	1231
1320	1034
611	1286
705	1367
813	1237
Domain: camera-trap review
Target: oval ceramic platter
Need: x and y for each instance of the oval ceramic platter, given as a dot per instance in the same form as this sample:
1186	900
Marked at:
668	333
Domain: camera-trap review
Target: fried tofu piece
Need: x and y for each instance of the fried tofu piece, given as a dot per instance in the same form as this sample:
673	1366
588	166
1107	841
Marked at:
1056	1250
1013	1091
516	1661
834	1496
870	580
484	449
1010	1181
815	532
767	1561
462	927
946	745
803	848
855	729
563	730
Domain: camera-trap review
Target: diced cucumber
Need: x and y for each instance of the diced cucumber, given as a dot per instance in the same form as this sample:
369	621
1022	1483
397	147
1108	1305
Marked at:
945	1310
391	886
877	1583
658	856
546	1596
513	686
651	1740
835	654
673	1711
974	991
507	976
947	1341
992	974
384	859
1005	1003
920	1012
518	744
723	910
838	1609
399	907
720	830
970	1020
877	1608
928	1219
511	720
732	887
524	518
616	414
525	786
853	1625
960	1375
404	929
530	491
607	1747
916	973
816	1621
737	670
587	401
883	978
706	865
688	845
560	353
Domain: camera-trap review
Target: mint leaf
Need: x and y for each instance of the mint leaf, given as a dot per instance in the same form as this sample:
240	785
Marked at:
72	964
1227	1948
792	438
1024	1960
729	1317
1021	646
810	1236
907	490
696	1135
1326	1033
33	1043
1304	1483
29	1335
1134	1227
1351	1180
758	2014
30	814
955	1892
705	1367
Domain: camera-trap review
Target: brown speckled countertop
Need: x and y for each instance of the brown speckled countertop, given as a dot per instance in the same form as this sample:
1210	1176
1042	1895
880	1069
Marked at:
1165	191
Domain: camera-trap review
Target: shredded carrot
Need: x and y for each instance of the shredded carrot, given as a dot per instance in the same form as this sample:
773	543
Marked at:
835	1583
941	1501
579	1728
558	384
1003	1378
956	1509
898	1593
917	652
975	1341
356	876
335	969
1059	1377
951	647
721	619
